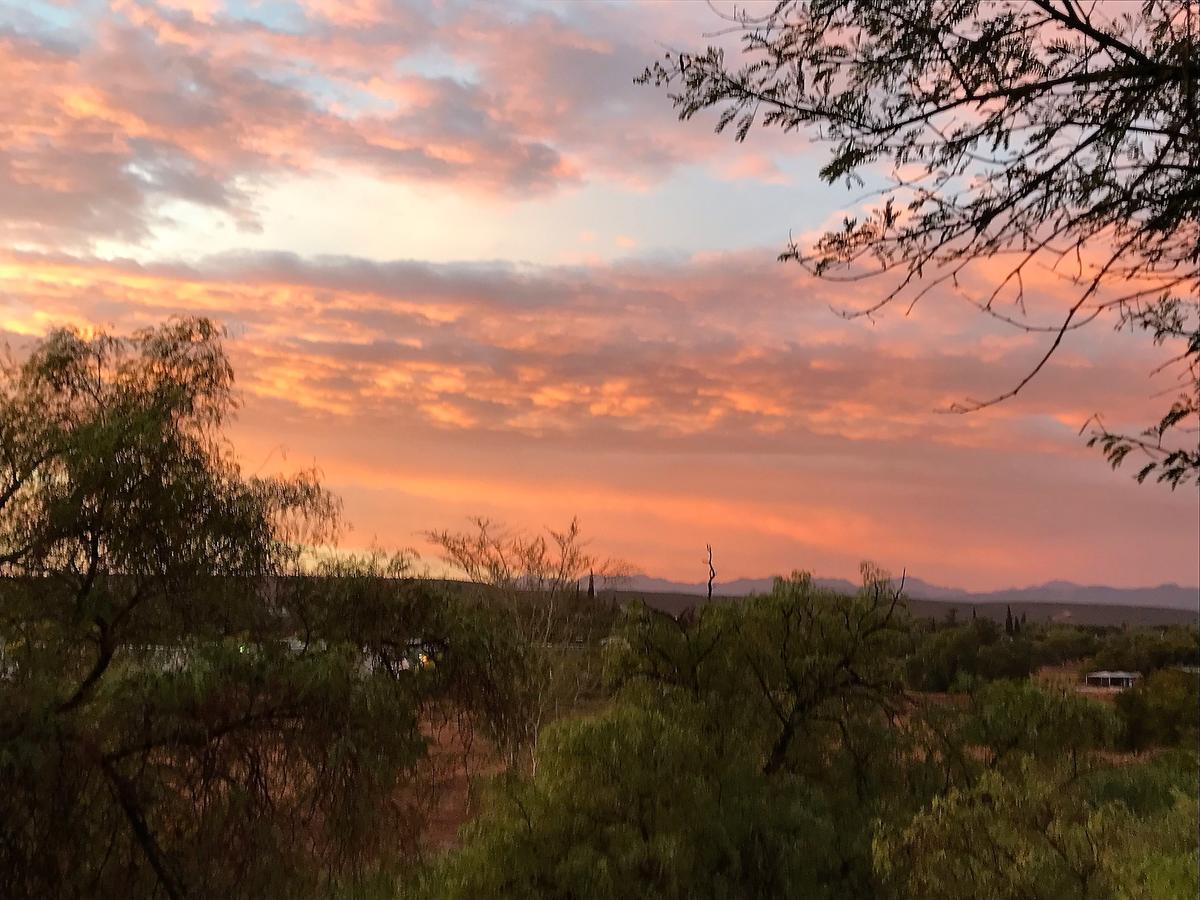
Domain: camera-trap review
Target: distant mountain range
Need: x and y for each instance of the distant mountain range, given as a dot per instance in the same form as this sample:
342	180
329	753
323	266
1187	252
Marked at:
1165	596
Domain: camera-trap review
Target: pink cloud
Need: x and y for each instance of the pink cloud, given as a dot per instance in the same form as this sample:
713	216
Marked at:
732	346
149	103
671	403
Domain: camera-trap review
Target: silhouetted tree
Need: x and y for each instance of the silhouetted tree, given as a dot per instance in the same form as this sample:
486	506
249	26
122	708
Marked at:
534	582
1049	135
181	712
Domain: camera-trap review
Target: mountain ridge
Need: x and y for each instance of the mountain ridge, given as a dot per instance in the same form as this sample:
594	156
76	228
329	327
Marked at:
1163	596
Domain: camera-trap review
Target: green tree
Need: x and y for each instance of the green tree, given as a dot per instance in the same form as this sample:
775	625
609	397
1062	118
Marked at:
1019	719
1148	787
749	751
533	582
181	712
783	664
1005	659
1047	135
1063	643
1152	858
1031	832
640	803
952	657
1147	649
1162	709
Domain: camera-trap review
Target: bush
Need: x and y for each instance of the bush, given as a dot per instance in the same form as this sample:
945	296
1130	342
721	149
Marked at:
1162	709
956	656
1020	718
635	802
1146	650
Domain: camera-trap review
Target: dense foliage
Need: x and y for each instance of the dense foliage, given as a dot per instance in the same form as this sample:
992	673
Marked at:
534	582
951	656
769	748
1164	708
191	703
709	777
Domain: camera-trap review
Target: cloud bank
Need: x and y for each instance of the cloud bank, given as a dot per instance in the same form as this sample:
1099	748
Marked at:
670	396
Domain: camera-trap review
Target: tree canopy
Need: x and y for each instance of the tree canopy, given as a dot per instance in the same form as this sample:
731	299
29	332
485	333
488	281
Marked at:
191	702
1001	140
767	748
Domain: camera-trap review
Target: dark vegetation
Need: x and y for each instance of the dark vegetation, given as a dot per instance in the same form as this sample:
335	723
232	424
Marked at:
200	697
949	655
196	701
779	747
1092	615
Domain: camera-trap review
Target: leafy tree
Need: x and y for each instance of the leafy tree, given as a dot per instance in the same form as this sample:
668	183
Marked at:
1162	709
1147	649
1045	816
638	802
1063	643
951	658
750	749
1148	787
810	681
673	792
533	582
1152	858
1005	659
1020	719
181	713
765	748
1031	832
779	663
1020	137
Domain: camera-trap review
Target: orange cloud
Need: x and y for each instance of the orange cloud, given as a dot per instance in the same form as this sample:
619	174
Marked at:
716	347
671	401
184	101
671	405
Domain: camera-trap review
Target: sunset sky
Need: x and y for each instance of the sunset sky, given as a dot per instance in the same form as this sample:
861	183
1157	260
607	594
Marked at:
468	267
